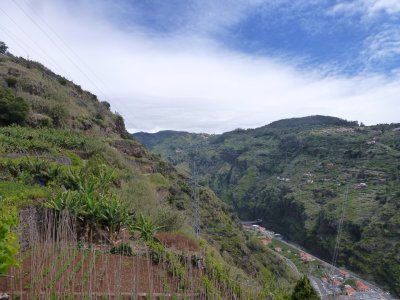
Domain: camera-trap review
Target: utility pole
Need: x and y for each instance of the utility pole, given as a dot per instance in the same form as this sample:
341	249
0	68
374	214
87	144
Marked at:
339	232
340	228
195	197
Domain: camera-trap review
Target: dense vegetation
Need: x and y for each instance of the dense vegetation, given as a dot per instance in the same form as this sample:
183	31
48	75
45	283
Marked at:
13	110
304	290
67	152
8	238
298	175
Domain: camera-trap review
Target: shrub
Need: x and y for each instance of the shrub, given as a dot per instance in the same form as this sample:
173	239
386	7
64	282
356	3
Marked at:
11	82
3	48
106	104
169	219
120	127
13	110
304	290
62	80
254	244
58	113
122	249
39	120
157	252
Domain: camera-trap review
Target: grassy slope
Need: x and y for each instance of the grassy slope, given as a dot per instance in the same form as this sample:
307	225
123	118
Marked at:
79	130
322	158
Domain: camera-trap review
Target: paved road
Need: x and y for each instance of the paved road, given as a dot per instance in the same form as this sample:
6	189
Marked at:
319	287
290	264
372	286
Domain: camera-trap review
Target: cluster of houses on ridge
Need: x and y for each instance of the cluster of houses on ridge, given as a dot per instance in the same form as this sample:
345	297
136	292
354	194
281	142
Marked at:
341	283
264	235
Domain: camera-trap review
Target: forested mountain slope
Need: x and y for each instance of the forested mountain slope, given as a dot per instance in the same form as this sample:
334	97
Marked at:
298	174
59	144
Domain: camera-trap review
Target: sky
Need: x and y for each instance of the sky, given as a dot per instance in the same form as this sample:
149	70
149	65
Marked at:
217	65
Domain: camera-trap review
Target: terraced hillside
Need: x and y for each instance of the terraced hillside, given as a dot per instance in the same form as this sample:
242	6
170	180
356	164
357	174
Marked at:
62	151
298	175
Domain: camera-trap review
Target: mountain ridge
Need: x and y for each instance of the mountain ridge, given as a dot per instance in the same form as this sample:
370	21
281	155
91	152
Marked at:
288	123
295	179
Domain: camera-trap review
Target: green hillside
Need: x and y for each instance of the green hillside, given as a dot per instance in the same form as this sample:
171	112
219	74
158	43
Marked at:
298	174
63	149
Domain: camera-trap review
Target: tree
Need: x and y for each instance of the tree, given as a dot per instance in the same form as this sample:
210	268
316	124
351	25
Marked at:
304	291
3	47
13	110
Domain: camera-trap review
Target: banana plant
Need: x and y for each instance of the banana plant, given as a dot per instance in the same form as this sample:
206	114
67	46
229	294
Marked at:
114	216
91	211
66	201
146	227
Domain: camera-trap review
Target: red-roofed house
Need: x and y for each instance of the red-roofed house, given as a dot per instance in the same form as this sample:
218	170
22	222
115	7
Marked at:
344	273
336	282
349	290
361	286
306	257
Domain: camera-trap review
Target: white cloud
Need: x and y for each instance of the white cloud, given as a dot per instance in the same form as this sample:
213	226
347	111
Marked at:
388	6
186	83
368	8
381	19
383	46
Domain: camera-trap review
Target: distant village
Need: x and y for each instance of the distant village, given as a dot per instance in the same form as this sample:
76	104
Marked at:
336	283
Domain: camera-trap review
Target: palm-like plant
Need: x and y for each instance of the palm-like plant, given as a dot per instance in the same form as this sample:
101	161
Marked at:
92	202
91	211
97	177
66	201
113	216
146	227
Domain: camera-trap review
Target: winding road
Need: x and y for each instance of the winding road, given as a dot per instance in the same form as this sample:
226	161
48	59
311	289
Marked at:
317	282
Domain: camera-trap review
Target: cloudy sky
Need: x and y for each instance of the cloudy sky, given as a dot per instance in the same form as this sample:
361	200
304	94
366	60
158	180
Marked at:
216	65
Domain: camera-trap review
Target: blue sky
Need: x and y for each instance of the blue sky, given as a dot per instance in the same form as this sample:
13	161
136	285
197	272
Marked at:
215	65
350	36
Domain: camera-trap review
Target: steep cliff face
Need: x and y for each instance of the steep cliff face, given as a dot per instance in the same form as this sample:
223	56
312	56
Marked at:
299	175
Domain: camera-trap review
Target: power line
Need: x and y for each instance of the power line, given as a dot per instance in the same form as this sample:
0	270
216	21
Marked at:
340	228
81	61
339	232
23	47
33	41
65	44
59	48
49	58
